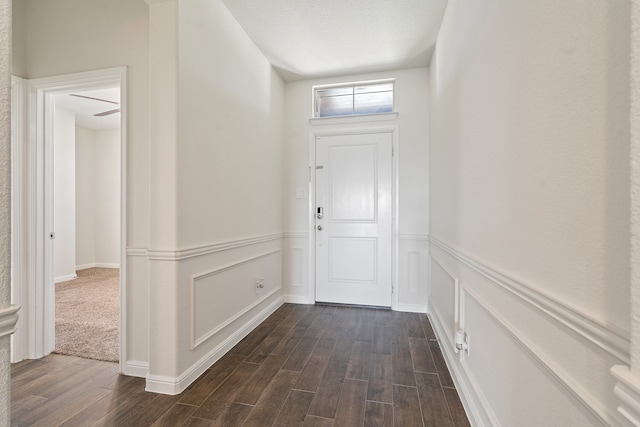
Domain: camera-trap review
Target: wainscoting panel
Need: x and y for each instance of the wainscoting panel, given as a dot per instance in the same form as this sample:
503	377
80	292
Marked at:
213	307
413	273
532	360
296	269
443	298
210	296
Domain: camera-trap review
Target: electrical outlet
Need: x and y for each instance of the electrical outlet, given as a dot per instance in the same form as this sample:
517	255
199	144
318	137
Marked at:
259	284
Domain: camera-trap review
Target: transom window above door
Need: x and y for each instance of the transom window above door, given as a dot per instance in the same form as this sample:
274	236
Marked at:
349	99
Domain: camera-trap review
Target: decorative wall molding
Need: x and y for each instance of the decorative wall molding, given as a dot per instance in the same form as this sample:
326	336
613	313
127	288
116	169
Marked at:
296	235
298	299
135	368
628	391
412	308
197	251
197	341
173	386
8	320
416	237
137	252
562	378
608	337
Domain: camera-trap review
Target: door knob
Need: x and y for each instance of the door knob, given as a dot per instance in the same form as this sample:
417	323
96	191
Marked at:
319	228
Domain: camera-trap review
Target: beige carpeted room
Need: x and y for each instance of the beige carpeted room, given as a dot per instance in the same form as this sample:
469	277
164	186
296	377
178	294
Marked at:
87	310
86	208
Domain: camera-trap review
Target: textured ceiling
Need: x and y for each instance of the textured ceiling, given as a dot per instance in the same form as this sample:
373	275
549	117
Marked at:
304	38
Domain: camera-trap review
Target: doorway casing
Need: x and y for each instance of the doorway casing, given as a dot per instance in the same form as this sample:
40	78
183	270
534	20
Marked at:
38	297
350	129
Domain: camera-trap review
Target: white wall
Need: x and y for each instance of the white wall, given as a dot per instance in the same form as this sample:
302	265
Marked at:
411	102
85	198
64	190
216	207
529	205
97	198
69	36
108	204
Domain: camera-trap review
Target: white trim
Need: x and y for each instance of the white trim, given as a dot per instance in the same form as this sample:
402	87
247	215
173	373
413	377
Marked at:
135	368
40	288
395	143
562	378
8	320
195	342
608	337
173	386
197	251
357	118
296	235
414	237
298	299
66	278
628	391
137	252
412	308
97	265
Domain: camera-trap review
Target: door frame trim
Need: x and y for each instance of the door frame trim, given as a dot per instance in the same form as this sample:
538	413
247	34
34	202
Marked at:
355	130
39	307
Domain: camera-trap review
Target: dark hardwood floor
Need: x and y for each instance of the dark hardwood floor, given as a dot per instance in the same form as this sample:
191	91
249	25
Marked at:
303	366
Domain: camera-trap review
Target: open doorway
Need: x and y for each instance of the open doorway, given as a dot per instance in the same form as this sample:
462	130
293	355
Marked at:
90	149
86	222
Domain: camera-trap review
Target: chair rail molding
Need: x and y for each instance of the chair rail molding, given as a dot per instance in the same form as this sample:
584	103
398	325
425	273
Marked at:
197	251
608	337
8	320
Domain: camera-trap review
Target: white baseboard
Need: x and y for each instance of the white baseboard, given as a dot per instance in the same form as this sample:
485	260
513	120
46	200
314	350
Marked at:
135	368
173	386
97	265
65	278
297	299
412	308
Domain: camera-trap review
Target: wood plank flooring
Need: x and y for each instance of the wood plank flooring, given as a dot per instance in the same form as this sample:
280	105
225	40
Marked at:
303	366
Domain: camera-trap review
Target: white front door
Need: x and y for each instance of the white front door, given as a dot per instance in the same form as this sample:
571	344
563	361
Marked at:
354	218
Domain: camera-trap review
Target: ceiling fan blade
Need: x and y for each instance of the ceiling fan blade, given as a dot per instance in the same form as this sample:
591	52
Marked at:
95	99
106	113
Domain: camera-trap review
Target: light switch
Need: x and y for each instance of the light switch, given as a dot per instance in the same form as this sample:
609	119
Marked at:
301	193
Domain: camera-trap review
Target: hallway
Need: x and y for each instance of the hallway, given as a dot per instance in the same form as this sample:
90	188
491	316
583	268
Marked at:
306	365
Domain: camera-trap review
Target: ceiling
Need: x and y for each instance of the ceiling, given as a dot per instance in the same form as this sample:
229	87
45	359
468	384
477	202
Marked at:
310	39
321	38
85	109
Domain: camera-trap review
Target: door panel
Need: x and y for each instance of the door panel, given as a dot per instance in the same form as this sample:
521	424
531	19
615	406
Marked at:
353	236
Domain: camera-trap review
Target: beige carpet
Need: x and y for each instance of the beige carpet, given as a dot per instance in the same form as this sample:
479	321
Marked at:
88	313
